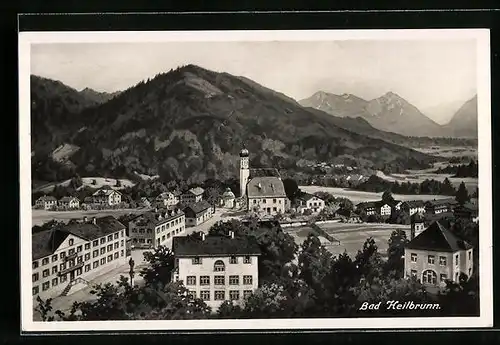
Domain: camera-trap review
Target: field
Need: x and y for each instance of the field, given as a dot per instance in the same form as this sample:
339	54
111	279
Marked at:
360	196
39	217
87	182
351	236
449	151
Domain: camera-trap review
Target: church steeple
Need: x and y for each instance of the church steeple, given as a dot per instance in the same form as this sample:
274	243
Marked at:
244	171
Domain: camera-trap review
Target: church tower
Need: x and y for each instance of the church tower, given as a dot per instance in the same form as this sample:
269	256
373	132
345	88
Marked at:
244	171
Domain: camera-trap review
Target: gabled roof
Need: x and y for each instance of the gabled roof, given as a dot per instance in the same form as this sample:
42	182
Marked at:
437	238
157	217
228	193
46	198
105	192
68	199
165	195
368	204
442	202
214	246
198	207
46	242
196	191
307	196
265	187
263	172
417	218
415	203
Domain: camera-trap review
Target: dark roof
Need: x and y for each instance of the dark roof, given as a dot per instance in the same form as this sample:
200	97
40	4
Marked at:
263	172
198	207
415	203
215	246
369	204
196	191
46	242
417	218
157	217
437	238
429	217
47	198
307	196
441	202
266	187
68	198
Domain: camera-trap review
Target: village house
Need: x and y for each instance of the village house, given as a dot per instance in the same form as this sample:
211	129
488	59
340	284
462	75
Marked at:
396	205
217	268
69	202
75	253
154	228
440	206
144	202
198	213
369	207
46	202
311	202
167	199
228	199
467	211
349	216
417	224
437	255
414	206
193	195
107	197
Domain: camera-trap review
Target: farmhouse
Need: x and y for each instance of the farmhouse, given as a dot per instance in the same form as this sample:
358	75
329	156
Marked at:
440	206
107	197
167	199
369	207
217	268
198	213
75	253
467	211
437	255
311	202
193	195
46	202
154	228
415	206
69	202
144	202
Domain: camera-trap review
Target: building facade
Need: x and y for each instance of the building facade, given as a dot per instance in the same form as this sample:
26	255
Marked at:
217	268
414	206
198	213
156	228
440	206
266	195
437	255
63	256
385	209
69	202
228	199
167	199
193	195
311	202
107	197
46	202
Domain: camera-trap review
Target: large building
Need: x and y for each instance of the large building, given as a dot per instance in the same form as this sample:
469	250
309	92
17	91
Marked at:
413	206
46	202
263	188
192	195
198	213
167	199
217	268
440	206
154	228
107	197
437	255
68	254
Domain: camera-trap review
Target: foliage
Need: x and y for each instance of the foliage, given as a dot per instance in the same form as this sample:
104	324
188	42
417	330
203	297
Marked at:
395	253
462	170
291	188
160	265
462	195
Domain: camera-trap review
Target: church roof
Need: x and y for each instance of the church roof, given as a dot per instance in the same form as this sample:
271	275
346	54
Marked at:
263	172
265	187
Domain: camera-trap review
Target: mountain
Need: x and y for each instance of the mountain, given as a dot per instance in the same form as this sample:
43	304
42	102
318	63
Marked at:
96	96
390	112
190	123
464	122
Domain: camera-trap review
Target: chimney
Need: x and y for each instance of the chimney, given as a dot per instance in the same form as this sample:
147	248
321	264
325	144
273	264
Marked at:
203	236
93	220
231	234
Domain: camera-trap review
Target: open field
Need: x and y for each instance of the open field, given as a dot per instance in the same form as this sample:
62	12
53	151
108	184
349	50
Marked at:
351	236
449	151
39	217
360	196
87	182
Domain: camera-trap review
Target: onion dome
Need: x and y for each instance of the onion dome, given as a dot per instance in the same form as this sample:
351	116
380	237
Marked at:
244	153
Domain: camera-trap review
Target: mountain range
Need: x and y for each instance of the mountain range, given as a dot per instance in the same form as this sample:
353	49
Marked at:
190	123
392	113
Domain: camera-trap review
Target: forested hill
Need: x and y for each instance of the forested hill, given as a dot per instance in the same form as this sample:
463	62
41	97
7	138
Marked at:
190	123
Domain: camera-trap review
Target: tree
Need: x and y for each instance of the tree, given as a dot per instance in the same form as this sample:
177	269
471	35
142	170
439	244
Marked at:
118	183
161	264
387	197
447	188
268	301
212	195
368	260
94	182
462	195
291	188
395	253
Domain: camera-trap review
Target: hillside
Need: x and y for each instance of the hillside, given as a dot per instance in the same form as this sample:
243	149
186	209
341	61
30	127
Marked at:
464	122
96	96
390	112
190	123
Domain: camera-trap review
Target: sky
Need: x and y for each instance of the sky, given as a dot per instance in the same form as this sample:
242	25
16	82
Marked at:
435	76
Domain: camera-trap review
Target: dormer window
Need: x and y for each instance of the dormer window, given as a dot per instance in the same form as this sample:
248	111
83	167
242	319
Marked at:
219	266
71	241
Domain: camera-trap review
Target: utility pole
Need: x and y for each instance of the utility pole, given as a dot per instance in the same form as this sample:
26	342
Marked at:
131	263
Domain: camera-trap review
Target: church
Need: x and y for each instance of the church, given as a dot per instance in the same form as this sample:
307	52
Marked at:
262	189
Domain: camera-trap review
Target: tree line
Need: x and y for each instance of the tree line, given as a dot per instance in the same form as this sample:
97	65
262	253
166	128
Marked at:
462	170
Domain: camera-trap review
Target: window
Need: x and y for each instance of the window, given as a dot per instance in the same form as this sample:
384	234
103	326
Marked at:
95	243
205	295
219	295
196	261
54	257
79	248
274	201
234	280
247	280
34	264
254	201
103	250
442	260
110	238
80	259
35	290
54	282
45	261
121	243
95	264
54	269
79	271
34	277
191	280
116	255
62	255
430	259
95	253
62	267
247	260
247	293
103	240
115	235
122	232
122	253
110	247
429	277
71	263
413	273
456	260
87	267
191	294
87	246
87	256
234	295
63	278
71	251
110	258
205	280
233	260
470	255
45	286
443	277
45	273
71	241
274	209
103	261
219	280
219	266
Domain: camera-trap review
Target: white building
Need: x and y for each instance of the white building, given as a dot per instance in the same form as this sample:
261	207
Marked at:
46	202
311	202
192	195
228	199
75	253
69	202
107	197
412	207
217	268
167	199
385	209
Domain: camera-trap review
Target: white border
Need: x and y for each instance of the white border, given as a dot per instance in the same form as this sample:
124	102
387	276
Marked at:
482	37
